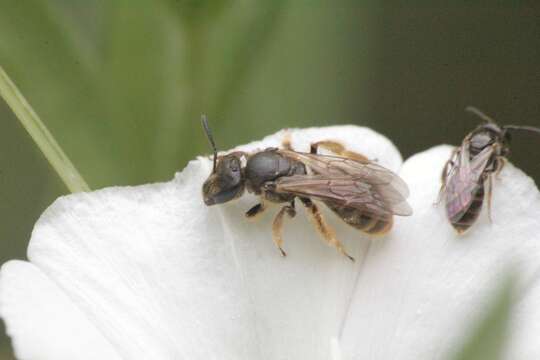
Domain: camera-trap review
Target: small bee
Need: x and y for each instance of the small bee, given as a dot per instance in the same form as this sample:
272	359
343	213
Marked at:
481	155
363	194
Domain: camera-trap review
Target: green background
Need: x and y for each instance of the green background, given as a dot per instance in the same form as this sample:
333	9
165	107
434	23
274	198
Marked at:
121	84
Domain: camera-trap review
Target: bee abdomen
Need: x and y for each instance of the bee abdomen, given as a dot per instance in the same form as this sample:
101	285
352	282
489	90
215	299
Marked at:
363	222
468	218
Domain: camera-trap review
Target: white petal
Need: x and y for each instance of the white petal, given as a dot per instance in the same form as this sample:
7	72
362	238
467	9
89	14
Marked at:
305	295
422	288
148	265
162	276
43	322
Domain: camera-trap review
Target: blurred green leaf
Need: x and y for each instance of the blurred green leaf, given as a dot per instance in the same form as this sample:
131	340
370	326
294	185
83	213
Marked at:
192	12
243	51
54	75
133	69
120	88
104	101
487	342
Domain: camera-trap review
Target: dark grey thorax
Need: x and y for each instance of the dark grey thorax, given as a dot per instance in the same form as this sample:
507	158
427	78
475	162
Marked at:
267	166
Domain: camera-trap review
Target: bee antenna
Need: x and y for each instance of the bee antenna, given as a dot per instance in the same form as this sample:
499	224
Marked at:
479	113
206	128
525	128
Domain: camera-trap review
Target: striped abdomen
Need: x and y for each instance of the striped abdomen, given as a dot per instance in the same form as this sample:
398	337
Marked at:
363	222
463	221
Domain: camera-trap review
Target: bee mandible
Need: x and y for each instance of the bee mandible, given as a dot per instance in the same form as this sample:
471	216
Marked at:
363	194
467	177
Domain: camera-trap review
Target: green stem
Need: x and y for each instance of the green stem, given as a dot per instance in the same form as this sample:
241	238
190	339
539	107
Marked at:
43	138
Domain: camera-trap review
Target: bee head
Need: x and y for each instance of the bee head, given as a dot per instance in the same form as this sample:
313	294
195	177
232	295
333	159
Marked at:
226	182
496	132
487	133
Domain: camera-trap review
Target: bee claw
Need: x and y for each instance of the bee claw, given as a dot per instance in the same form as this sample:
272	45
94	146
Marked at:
283	253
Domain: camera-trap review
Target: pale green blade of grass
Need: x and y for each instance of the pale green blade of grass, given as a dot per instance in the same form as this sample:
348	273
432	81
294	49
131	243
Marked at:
39	133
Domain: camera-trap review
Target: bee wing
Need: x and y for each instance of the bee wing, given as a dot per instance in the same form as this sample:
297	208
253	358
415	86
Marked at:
338	166
465	180
378	200
361	185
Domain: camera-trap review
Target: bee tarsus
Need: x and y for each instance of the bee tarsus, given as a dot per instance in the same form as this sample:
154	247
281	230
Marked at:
277	225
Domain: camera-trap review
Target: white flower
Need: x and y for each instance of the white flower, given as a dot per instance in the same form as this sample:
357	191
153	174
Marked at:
150	272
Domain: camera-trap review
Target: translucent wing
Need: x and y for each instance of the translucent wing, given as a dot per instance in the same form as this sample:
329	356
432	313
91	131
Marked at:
339	166
365	186
464	180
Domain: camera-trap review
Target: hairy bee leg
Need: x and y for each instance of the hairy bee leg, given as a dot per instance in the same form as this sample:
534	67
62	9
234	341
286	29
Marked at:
338	149
277	225
256	210
325	230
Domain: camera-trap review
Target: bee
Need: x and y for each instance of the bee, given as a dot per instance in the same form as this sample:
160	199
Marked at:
467	177
363	194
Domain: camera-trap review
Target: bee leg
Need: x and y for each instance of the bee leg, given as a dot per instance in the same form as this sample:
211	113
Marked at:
286	142
256	210
489	193
440	196
499	165
323	228
338	149
444	175
277	225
